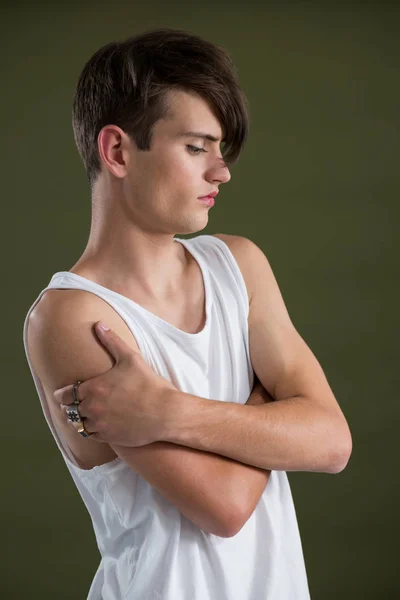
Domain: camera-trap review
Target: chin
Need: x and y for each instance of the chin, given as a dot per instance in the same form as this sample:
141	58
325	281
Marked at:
191	226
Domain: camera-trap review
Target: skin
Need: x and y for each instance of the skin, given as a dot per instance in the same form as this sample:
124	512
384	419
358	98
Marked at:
123	406
148	197
140	201
147	211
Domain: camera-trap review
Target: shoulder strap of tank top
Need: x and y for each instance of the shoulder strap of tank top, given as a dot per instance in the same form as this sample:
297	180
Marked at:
203	243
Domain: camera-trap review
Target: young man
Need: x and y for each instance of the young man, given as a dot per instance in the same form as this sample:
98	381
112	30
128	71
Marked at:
179	459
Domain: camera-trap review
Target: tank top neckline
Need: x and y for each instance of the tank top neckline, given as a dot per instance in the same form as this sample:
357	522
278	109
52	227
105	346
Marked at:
165	325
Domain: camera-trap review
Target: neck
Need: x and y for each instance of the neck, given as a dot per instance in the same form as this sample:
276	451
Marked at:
120	255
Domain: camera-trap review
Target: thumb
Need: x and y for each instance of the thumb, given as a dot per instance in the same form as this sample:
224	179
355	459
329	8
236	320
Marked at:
112	341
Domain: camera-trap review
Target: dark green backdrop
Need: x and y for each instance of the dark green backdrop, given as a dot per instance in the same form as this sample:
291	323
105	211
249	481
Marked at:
317	189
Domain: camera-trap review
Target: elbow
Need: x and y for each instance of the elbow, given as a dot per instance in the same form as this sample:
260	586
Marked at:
234	525
340	453
233	529
229	527
220	527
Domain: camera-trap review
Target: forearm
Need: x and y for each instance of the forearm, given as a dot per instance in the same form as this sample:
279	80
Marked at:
246	484
289	435
243	483
250	481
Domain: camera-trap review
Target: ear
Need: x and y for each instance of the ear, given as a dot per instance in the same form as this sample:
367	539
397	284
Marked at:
113	145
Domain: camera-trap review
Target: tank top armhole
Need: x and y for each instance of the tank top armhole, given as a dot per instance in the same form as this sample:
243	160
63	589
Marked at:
235	270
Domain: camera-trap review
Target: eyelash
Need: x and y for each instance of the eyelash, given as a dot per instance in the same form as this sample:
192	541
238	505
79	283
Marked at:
191	148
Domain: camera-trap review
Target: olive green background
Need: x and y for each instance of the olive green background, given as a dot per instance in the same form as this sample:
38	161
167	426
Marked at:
316	188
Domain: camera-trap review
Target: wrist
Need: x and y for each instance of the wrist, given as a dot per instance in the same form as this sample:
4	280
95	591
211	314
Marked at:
173	414
183	414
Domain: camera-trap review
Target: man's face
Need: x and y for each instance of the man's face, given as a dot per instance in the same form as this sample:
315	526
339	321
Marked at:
163	185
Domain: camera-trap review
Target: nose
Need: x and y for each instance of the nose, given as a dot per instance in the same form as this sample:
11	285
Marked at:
218	173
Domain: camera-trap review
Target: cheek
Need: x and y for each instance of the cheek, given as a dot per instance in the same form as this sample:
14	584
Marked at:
181	176
176	177
189	174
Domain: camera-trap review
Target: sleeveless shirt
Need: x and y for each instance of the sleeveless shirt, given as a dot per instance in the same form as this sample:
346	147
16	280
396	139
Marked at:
149	550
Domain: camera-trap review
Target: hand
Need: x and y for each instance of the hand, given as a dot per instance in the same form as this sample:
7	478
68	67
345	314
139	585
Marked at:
259	395
128	404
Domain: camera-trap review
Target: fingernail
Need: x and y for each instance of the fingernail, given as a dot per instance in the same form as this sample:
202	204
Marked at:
104	326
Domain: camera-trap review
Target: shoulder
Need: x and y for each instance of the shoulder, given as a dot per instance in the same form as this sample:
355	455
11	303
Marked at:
241	247
60	313
64	318
250	258
235	242
55	304
64	307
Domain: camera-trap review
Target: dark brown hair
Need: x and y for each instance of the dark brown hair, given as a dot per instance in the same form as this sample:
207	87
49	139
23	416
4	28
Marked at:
125	84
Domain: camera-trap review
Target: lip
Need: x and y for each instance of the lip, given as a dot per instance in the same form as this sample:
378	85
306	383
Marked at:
208	200
210	195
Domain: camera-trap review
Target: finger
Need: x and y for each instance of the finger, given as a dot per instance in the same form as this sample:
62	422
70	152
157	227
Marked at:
93	435
113	342
81	410
88	428
65	396
96	438
75	425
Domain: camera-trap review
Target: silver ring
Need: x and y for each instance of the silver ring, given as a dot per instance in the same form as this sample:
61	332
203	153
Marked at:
75	392
73	415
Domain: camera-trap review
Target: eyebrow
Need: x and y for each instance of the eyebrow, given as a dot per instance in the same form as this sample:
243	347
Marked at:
199	135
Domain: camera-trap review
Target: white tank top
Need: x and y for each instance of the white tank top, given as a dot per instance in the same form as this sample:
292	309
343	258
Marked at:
149	550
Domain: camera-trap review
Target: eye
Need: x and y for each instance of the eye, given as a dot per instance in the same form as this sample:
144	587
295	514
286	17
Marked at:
195	150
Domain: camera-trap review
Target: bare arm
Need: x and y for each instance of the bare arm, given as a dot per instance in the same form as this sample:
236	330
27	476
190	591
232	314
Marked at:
304	429
210	490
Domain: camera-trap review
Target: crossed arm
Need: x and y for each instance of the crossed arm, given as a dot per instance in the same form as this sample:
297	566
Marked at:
216	493
301	432
304	429
237	445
